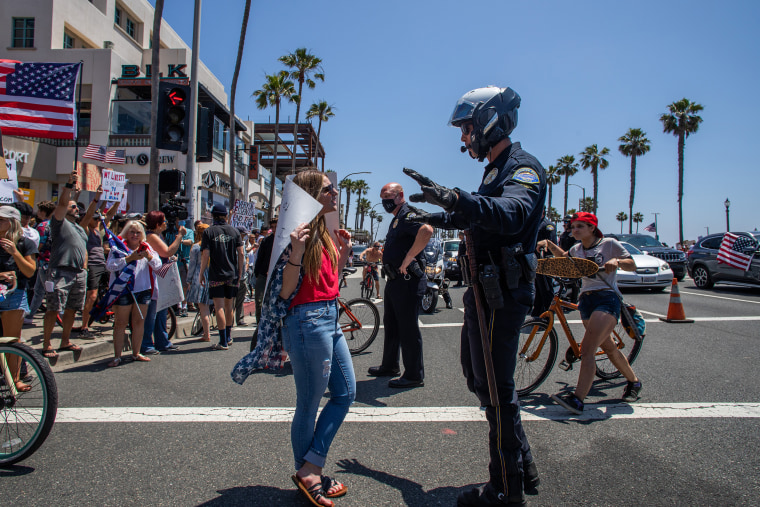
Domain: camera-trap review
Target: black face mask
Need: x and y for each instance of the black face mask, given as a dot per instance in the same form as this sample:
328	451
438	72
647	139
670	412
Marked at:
389	205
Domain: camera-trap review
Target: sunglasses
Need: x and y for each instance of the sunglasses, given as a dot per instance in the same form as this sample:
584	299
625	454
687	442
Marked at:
328	189
466	128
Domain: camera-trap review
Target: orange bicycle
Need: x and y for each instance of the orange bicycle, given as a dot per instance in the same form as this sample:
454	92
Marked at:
537	350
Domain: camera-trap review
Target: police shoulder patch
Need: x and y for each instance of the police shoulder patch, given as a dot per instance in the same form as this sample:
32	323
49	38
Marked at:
550	227
490	176
526	175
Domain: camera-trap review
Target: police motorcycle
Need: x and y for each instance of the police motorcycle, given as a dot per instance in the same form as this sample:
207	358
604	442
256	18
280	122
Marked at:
437	283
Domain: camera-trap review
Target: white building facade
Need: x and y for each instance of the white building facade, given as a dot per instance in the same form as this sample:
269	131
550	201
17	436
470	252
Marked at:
113	40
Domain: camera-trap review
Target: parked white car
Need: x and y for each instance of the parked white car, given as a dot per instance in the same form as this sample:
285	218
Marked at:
651	272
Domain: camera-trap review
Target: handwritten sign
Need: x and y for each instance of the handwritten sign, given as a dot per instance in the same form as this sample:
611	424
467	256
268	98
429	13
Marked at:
92	178
113	185
8	185
244	215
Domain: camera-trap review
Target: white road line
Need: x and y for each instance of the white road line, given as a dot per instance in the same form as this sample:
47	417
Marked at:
719	297
592	412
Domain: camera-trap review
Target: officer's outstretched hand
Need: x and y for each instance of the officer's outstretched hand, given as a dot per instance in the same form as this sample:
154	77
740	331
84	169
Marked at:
432	192
422	217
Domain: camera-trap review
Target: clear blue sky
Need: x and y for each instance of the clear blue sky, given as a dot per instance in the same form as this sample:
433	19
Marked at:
586	71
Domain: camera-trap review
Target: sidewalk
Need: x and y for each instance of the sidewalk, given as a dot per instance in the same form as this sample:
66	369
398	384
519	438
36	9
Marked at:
101	345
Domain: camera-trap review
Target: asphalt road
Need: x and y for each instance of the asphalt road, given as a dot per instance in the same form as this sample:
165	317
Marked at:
163	438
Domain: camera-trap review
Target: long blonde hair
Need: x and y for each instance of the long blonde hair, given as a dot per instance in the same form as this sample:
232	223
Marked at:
311	181
15	231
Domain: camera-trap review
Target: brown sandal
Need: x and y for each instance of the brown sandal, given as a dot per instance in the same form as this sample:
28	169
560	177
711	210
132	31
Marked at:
313	494
329	483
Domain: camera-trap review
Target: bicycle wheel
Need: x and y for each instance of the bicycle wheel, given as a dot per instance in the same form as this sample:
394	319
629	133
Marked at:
360	322
627	345
197	327
171	322
536	354
26	417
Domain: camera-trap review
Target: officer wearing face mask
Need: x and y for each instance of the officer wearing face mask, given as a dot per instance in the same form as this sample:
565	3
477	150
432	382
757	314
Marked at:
404	269
502	218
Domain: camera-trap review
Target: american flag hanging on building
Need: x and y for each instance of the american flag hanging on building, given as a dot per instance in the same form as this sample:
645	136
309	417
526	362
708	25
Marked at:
731	251
95	152
37	99
651	227
116	157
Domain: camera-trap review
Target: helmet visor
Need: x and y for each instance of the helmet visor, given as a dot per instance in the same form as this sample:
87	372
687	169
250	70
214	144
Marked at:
462	112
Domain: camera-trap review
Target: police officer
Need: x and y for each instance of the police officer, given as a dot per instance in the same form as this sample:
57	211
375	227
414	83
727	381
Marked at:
403	266
544	288
566	240
503	217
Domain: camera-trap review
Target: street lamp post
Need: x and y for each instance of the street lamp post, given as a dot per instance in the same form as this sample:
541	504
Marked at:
727	203
580	202
340	193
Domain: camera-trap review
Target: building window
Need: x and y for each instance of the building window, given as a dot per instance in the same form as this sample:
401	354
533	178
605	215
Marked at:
23	32
68	41
220	135
130	117
130	28
117	17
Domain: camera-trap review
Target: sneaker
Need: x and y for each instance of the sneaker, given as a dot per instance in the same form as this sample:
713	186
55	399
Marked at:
570	401
86	334
28	321
149	352
632	392
170	348
219	346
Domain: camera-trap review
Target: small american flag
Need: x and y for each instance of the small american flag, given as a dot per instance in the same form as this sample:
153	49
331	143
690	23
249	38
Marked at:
95	152
37	99
651	227
731	251
165	269
116	157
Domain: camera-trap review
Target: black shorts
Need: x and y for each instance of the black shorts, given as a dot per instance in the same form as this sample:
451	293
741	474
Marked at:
94	276
126	299
228	290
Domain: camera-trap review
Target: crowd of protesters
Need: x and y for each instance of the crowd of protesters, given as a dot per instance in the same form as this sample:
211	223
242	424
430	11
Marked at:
59	260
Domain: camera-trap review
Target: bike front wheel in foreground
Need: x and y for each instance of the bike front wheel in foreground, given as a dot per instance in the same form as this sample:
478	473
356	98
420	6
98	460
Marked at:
360	322
28	404
197	327
536	353
629	347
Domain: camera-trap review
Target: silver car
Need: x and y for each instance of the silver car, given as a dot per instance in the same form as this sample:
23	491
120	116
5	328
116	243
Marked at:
651	272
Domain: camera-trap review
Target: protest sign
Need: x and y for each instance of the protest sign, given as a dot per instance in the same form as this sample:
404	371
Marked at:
243	215
8	185
123	204
92	177
113	185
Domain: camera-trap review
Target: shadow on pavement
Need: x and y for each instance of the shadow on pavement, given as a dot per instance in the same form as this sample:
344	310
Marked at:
412	492
254	495
14	470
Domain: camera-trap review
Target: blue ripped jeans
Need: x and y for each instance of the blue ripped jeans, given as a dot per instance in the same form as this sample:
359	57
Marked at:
321	360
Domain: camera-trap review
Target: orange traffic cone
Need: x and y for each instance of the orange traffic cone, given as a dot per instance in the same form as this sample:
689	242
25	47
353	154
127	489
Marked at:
676	313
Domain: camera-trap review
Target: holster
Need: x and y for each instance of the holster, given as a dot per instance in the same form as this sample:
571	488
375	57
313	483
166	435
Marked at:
511	266
389	272
464	268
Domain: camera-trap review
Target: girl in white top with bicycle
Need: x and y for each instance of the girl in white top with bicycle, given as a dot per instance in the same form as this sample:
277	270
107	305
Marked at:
599	306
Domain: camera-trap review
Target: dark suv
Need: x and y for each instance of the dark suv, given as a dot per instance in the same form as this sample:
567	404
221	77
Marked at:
705	270
647	244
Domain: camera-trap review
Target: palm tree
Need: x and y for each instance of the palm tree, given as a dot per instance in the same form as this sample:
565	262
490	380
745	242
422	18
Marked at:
372	216
553	215
360	186
324	112
348	185
552	178
635	144
304	64
681	120
593	159
362	207
276	87
231	147
587	204
566	166
621	217
638	218
379	219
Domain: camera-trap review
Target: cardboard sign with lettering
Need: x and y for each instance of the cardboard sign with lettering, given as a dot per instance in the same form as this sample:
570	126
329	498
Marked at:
244	215
113	185
9	184
92	181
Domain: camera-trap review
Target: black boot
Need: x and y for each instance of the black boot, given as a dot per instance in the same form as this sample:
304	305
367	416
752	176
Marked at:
486	495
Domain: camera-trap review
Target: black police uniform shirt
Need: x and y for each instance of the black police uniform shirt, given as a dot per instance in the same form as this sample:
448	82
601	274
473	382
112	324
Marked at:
222	242
566	240
25	246
547	230
506	209
400	237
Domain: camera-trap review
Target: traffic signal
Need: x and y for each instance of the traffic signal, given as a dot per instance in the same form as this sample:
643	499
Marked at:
204	143
173	117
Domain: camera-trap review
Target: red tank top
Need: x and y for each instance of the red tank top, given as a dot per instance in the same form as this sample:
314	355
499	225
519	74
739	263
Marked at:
324	288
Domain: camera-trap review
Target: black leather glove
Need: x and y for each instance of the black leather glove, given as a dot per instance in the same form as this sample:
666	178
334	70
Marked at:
434	219
432	192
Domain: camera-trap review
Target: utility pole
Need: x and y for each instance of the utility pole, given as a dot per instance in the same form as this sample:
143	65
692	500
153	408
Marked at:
191	169
656	230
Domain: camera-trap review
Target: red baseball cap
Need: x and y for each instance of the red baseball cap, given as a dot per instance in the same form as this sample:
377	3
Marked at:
589	218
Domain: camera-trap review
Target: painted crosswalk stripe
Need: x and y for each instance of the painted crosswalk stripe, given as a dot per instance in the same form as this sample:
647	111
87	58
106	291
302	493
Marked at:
592	412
